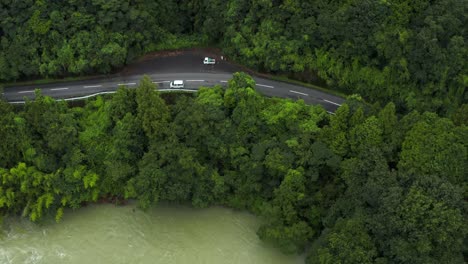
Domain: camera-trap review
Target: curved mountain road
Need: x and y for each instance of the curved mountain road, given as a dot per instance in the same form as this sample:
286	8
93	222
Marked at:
187	67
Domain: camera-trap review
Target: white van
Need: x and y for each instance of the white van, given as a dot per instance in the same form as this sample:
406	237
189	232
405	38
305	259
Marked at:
177	84
208	60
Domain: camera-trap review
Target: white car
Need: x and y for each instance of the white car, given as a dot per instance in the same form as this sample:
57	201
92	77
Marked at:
209	61
177	84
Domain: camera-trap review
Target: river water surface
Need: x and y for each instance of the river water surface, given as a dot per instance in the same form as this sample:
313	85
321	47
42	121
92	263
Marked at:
123	234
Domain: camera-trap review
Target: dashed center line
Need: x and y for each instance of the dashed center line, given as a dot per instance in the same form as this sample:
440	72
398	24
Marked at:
58	89
162	82
92	86
224	81
296	92
126	84
332	102
26	92
268	86
195	80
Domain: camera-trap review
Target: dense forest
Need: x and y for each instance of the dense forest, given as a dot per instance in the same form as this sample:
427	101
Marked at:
412	53
362	186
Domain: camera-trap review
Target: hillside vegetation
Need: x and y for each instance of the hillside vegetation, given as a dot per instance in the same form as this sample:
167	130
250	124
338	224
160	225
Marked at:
361	186
412	53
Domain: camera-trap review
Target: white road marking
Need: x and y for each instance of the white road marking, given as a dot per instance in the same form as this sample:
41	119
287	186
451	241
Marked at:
126	84
263	85
92	86
224	81
58	89
332	102
331	113
26	92
195	80
292	91
162	82
110	92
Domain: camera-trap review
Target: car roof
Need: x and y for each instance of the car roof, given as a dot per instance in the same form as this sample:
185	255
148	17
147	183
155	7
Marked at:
178	82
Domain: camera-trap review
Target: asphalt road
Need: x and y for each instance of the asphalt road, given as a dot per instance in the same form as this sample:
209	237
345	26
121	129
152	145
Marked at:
188	67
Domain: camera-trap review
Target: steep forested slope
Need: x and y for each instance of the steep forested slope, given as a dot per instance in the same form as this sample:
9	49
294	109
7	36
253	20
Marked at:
361	186
411	52
55	38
